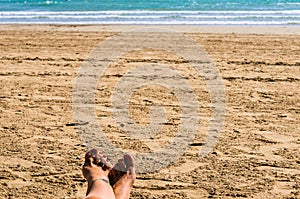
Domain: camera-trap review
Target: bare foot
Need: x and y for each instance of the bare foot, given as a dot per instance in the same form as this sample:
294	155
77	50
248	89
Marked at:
122	177
96	169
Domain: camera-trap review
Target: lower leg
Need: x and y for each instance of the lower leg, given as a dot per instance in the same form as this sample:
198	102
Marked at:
99	190
96	169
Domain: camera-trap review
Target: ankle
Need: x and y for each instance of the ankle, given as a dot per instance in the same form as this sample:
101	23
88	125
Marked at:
92	179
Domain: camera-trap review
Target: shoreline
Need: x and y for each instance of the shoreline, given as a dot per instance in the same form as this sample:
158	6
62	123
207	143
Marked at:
231	29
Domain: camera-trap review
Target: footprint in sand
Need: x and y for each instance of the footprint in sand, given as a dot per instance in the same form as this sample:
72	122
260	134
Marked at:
276	142
21	178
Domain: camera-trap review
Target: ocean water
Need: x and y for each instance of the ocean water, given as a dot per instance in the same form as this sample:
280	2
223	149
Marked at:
193	12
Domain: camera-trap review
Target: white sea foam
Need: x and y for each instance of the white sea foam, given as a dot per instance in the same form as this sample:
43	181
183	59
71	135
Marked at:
155	17
152	12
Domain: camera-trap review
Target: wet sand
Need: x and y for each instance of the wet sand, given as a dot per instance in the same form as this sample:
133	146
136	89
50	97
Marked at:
257	154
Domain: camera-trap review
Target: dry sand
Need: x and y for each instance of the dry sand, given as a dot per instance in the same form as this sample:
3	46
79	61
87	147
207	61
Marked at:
257	155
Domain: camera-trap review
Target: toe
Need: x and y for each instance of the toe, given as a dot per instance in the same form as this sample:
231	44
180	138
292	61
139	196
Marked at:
129	162
106	164
122	166
95	157
90	157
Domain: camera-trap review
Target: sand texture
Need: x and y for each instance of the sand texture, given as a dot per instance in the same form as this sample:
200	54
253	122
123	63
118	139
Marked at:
257	154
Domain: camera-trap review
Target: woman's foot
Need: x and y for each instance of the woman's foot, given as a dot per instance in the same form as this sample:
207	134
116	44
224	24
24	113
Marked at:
122	177
96	169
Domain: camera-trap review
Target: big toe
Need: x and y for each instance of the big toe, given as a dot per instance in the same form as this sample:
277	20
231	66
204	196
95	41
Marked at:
129	163
92	156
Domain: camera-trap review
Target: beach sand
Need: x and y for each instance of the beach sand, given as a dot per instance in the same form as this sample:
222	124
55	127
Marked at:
257	154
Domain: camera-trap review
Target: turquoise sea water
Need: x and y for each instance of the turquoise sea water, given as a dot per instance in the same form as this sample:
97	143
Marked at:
194	12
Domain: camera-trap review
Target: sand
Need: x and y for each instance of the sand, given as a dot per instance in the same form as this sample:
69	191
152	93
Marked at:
257	154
